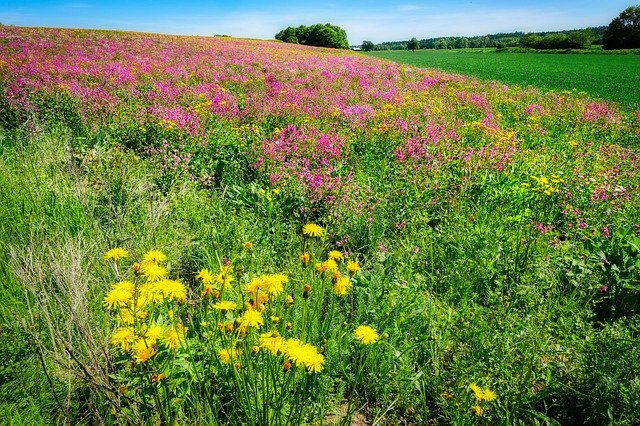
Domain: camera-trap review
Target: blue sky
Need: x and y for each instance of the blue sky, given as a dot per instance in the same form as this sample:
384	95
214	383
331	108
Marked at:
363	20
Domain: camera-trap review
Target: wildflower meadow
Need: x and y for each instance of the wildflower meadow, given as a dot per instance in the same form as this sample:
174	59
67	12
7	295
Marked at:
208	230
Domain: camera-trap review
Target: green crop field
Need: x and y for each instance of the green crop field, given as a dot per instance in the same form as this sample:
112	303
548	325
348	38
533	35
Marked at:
614	77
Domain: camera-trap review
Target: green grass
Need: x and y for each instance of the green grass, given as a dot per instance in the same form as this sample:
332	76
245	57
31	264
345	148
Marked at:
612	77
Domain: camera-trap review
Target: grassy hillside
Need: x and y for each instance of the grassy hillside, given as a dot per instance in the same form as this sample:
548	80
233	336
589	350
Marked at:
612	77
218	231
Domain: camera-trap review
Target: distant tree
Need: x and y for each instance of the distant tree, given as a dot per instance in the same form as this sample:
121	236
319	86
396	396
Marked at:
322	35
624	31
461	43
413	44
367	46
582	39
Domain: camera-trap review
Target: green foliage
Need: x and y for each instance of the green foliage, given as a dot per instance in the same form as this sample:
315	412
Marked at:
624	31
321	35
581	39
367	46
413	44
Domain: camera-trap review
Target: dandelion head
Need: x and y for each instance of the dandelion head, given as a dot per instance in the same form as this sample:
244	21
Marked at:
173	339
366	335
152	271
252	318
124	337
313	230
353	266
342	286
225	305
144	350
155	256
335	255
116	253
477	410
205	276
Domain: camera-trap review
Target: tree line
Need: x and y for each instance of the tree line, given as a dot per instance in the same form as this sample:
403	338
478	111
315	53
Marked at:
560	40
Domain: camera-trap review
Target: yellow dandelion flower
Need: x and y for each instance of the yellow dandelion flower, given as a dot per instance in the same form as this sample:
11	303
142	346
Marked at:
335	255
313	230
366	335
173	289
482	395
155	256
144	351
314	362
152	334
205	275
487	395
117	298
252	318
172	339
294	350
272	342
123	336
327	266
226	355
273	284
305	257
153	271
353	266
247	245
225	305
342	286
150	293
116	253
477	410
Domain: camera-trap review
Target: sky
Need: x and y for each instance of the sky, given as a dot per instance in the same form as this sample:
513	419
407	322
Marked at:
372	20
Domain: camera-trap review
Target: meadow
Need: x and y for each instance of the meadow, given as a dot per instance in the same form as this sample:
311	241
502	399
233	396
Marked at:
201	230
612	77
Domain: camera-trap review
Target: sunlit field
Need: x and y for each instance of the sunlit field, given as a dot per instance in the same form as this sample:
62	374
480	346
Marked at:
221	231
612	77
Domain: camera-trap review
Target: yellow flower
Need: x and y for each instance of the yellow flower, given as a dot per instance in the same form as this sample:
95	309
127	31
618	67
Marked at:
366	335
252	318
314	362
353	266
150	293
481	395
119	296
144	351
477	410
155	256
173	289
335	255
225	355
205	275
342	286
273	284
116	253
303	354
313	230
327	266
173	339
305	257
225	305
153	271
153	333
247	245
123	336
272	342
